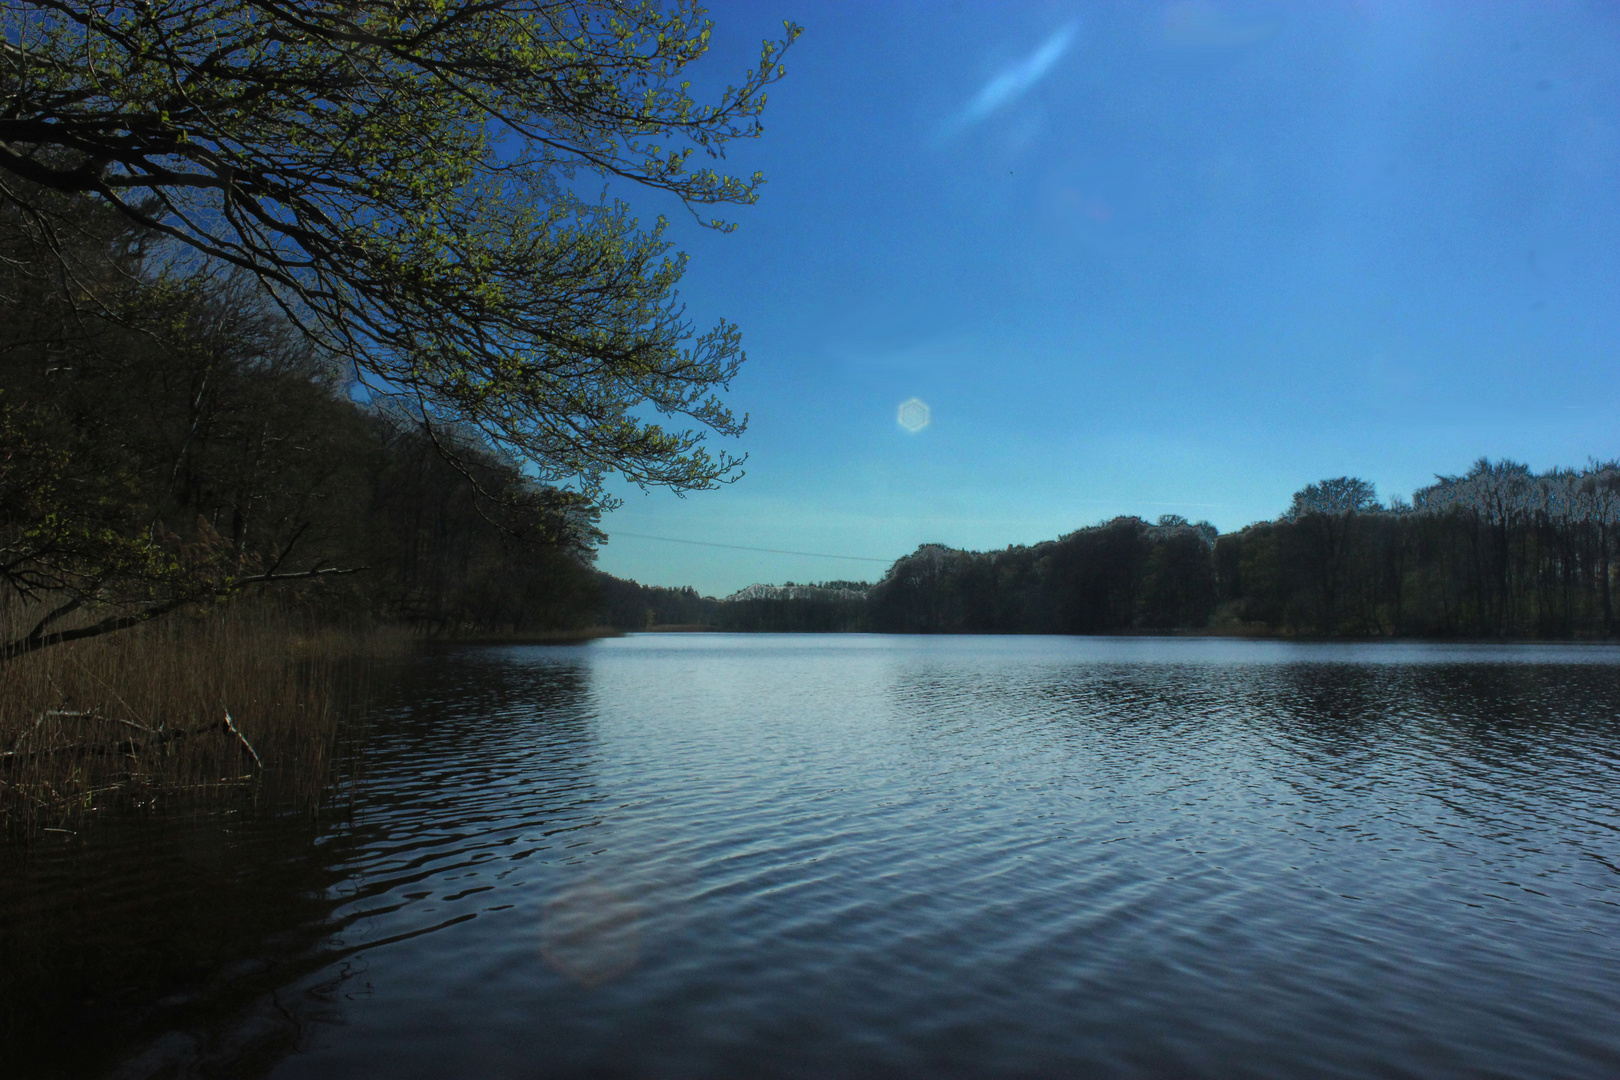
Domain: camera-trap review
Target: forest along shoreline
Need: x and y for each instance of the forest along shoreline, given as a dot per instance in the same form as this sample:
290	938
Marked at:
1499	553
207	530
261	695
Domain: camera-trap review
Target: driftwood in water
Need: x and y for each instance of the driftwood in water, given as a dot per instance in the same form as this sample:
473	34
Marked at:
153	737
230	726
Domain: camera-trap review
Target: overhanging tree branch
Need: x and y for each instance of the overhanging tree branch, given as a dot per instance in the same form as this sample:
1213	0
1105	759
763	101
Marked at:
401	176
36	639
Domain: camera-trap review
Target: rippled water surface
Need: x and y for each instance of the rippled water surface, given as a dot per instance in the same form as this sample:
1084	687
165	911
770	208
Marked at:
850	856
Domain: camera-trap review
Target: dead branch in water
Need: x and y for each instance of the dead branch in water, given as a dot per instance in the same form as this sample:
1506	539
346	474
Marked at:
158	736
230	725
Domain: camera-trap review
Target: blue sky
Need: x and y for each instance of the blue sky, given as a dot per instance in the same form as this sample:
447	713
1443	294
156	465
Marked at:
1145	258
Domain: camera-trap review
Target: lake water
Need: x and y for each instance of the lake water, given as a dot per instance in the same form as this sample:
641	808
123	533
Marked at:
860	856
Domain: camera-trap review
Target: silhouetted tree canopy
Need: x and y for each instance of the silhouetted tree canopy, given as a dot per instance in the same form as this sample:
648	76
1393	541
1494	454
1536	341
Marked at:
1500	551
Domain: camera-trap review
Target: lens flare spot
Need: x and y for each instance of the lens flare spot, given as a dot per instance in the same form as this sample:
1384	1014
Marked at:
590	934
913	415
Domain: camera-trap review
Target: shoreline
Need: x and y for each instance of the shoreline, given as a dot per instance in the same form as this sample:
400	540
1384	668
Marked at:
536	637
1213	633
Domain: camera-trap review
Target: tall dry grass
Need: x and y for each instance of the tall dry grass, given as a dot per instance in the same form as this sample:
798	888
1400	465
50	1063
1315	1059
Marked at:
247	698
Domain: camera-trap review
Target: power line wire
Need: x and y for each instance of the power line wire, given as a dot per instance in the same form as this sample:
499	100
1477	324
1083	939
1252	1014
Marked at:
741	547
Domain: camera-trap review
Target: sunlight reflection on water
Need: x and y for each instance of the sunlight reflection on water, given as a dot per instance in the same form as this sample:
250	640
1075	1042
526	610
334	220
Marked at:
799	856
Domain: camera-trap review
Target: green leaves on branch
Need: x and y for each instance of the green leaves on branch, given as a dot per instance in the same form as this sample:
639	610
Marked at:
405	176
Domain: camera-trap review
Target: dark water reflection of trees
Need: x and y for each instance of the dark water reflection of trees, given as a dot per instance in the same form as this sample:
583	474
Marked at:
185	943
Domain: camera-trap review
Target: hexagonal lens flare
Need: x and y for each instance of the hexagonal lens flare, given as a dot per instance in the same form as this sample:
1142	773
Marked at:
913	415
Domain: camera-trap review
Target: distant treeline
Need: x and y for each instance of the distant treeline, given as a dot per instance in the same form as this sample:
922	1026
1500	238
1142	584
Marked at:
1498	552
826	607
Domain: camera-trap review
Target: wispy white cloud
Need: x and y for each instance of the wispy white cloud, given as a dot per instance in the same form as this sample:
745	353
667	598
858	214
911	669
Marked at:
1014	81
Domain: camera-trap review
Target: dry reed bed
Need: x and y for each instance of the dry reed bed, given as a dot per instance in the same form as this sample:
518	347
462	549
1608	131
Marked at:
195	706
